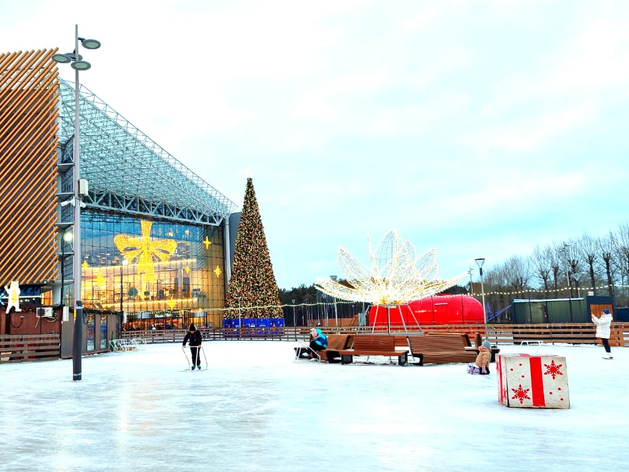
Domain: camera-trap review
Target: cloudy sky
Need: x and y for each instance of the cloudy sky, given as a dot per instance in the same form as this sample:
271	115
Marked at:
478	128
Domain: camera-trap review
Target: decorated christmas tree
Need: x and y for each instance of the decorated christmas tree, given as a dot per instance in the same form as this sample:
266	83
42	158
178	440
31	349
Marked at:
252	290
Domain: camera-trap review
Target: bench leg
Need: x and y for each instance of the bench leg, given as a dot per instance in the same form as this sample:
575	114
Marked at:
403	360
347	359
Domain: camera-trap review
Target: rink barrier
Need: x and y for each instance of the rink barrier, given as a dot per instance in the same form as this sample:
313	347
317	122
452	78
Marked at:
22	347
548	333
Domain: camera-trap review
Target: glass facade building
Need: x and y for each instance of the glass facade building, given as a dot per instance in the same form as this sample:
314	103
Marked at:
153	234
150	269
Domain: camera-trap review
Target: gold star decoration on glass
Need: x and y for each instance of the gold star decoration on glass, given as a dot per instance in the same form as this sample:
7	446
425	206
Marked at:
171	303
207	242
218	271
100	280
396	276
145	250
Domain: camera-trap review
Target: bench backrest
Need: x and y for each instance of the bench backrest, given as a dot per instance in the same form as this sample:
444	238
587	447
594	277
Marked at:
436	341
338	342
374	342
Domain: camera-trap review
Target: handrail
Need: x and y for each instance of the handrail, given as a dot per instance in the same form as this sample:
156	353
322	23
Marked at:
497	333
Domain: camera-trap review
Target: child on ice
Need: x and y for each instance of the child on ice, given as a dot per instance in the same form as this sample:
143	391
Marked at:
481	366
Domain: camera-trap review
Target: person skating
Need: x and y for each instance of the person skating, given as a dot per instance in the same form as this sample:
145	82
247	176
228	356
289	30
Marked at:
603	330
195	339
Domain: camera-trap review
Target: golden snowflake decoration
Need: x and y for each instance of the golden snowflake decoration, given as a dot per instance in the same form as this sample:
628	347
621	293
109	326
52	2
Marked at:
397	274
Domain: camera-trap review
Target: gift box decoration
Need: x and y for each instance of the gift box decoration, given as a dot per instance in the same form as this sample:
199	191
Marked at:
528	381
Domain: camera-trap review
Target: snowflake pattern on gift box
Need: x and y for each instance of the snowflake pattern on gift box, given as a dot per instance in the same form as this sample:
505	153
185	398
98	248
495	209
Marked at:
553	369
521	394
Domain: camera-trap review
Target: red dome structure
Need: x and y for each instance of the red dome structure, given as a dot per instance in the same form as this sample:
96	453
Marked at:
435	310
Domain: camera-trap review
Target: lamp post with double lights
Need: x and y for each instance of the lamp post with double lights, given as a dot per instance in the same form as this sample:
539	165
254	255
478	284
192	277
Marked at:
479	262
80	188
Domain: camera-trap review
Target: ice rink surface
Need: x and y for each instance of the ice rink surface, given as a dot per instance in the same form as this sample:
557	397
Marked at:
256	408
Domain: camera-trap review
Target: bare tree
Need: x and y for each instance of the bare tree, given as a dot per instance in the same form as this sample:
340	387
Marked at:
588	250
572	250
621	252
516	273
555	265
540	263
606	250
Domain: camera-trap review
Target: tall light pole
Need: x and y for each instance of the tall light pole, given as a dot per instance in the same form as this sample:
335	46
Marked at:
80	189
122	265
566	251
66	238
336	314
479	262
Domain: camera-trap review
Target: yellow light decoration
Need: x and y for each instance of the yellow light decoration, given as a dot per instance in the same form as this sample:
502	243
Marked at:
171	303
85	265
187	269
218	271
397	275
100	280
145	249
207	242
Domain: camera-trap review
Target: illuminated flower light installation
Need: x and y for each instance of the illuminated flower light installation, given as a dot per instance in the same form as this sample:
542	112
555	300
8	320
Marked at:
397	275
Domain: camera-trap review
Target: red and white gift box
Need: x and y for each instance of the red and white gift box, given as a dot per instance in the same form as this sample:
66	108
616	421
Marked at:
526	381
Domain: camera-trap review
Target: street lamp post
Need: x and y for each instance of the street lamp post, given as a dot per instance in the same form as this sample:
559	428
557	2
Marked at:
80	188
566	251
479	262
294	317
122	265
66	238
336	314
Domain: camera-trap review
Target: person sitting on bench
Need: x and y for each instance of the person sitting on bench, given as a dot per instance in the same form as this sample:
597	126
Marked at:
318	340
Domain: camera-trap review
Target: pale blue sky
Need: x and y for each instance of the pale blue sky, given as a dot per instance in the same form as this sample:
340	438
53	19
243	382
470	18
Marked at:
479	128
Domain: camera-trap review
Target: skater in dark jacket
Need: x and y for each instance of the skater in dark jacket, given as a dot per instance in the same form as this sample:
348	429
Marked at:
195	339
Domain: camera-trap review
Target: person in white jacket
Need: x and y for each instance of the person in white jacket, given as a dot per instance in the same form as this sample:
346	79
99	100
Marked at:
603	330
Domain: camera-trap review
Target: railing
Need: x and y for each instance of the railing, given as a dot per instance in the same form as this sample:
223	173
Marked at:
223	334
18	348
574	333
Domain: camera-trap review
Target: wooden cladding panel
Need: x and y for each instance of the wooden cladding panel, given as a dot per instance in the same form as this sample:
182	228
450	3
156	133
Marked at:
29	94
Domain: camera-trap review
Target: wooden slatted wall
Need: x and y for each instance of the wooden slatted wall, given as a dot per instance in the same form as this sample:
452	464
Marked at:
29	94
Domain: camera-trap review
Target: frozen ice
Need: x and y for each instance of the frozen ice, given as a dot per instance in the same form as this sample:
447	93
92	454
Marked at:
256	408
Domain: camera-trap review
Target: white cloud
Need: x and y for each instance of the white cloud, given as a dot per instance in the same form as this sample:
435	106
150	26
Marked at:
532	132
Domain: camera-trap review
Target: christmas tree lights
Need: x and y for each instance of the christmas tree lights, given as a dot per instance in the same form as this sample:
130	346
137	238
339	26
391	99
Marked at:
252	290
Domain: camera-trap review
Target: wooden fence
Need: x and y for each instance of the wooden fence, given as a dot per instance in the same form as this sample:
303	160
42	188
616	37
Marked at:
18	348
22	347
571	333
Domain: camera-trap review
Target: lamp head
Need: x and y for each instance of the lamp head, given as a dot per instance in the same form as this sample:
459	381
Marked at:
480	261
81	65
90	43
63	58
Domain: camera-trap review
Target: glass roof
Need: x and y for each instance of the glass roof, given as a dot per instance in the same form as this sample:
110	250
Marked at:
124	166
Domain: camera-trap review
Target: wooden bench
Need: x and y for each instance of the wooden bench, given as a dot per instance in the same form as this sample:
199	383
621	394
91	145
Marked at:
336	344
374	345
440	349
467	345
